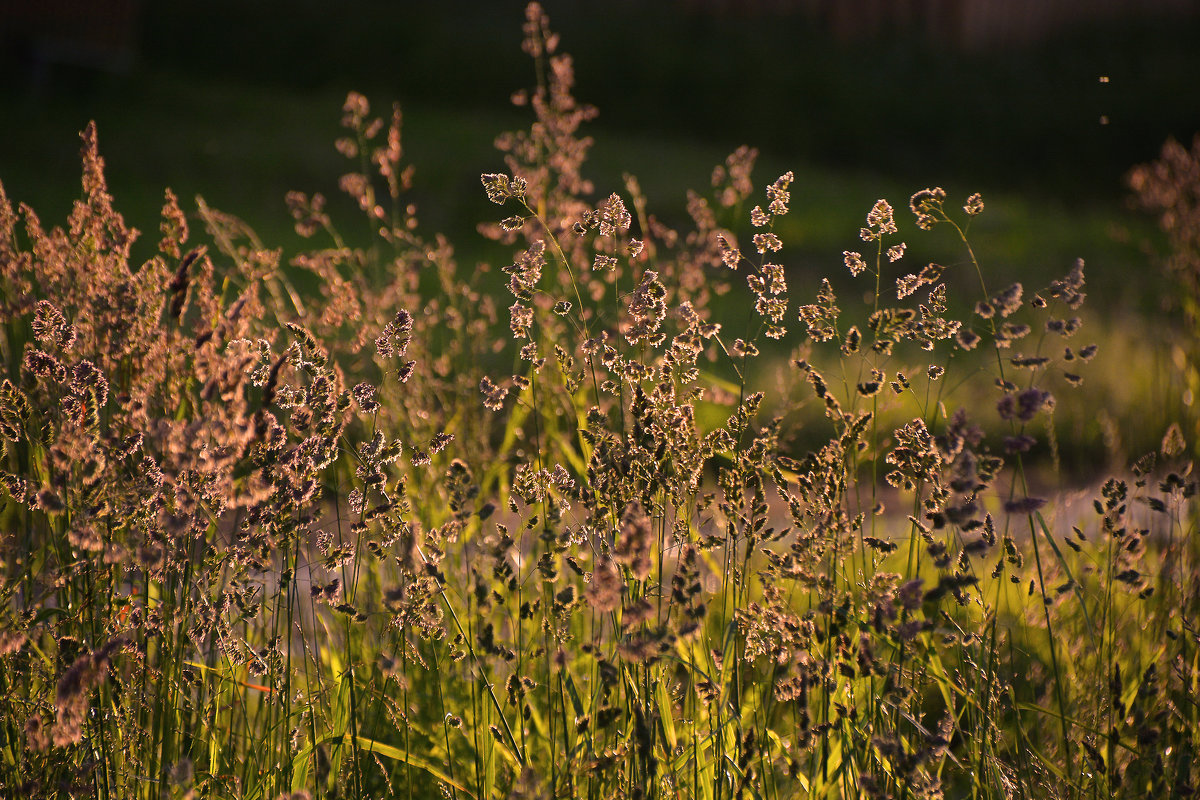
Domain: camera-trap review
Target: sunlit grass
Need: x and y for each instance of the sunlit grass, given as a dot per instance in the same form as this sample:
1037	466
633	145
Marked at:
639	508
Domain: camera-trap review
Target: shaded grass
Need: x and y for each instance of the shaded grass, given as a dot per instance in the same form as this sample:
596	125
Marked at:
245	145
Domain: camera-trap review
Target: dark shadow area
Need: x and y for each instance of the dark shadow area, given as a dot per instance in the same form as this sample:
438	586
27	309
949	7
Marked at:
240	102
888	99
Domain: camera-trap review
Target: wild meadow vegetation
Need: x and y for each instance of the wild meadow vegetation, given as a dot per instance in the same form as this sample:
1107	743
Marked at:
638	514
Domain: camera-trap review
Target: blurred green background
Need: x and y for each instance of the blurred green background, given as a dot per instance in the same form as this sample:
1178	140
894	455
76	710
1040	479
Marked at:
240	101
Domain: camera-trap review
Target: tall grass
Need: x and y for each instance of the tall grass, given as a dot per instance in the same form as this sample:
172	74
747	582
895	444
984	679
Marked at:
552	531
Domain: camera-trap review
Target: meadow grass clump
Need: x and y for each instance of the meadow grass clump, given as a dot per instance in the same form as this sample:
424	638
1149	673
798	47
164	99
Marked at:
552	531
